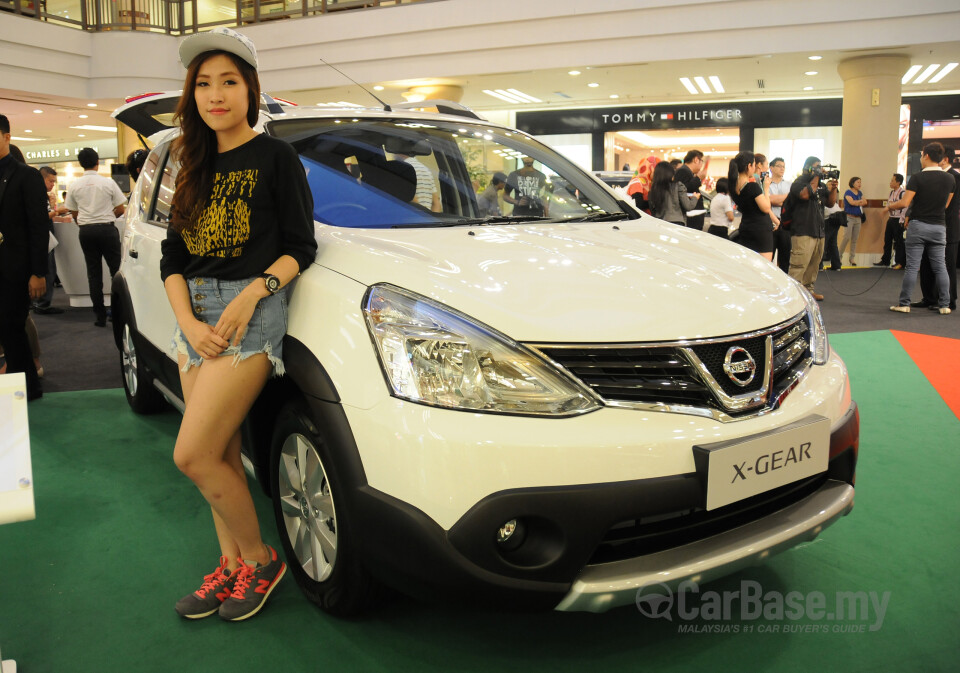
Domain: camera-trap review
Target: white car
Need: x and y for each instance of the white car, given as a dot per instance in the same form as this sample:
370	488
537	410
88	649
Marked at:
542	410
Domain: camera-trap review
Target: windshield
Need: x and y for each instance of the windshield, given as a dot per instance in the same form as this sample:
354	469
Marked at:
408	173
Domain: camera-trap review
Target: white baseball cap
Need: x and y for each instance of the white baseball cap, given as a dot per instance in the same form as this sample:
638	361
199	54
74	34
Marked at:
220	38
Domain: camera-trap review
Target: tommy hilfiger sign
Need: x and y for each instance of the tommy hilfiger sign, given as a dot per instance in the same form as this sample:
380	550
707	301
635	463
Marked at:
663	116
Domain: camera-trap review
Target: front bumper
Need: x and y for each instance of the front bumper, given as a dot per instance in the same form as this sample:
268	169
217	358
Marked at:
575	557
599	588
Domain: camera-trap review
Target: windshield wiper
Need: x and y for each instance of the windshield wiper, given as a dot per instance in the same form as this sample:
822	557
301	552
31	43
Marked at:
599	217
495	219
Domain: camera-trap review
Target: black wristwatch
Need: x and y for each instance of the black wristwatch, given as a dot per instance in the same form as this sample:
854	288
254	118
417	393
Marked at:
271	281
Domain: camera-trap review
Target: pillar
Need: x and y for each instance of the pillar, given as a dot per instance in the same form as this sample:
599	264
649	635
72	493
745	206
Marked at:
871	119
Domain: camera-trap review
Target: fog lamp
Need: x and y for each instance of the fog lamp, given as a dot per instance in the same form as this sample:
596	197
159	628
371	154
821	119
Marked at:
506	531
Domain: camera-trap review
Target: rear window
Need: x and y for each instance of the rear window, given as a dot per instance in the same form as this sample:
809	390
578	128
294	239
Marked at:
397	173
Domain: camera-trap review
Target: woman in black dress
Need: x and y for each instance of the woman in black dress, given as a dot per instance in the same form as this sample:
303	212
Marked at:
757	221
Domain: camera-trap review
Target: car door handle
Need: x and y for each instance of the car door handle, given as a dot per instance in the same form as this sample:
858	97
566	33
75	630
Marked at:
133	253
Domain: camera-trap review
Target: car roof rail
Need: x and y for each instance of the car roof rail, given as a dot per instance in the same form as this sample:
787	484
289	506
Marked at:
272	106
442	107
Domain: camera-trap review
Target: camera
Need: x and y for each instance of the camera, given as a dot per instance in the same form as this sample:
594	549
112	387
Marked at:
829	172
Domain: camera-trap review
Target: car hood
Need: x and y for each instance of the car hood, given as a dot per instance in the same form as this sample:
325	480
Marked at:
639	280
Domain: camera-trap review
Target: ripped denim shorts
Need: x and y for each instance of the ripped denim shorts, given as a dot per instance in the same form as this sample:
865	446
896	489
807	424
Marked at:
265	331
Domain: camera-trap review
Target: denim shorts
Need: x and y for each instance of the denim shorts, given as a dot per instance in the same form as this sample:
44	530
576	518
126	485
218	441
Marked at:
265	331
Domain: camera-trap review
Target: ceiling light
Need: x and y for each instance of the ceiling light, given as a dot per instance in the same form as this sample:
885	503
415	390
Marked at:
808	88
27	131
25	140
80	135
593	85
943	73
505	97
814	58
574	72
91	105
523	96
811	72
926	73
685	81
914	69
614	95
84	116
717	86
378	88
38	112
702	83
91	127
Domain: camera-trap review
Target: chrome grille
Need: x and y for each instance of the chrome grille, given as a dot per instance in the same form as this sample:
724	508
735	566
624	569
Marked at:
688	376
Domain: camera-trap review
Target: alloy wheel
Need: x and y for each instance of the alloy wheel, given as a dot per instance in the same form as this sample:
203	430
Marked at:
129	355
306	503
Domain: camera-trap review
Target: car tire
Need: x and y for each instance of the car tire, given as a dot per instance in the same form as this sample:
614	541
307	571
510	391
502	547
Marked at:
312	520
142	397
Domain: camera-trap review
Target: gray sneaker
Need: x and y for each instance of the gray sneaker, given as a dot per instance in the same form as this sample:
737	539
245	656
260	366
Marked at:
216	588
252	586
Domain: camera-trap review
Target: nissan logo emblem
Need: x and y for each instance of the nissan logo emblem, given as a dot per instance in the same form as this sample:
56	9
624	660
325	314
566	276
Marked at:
740	366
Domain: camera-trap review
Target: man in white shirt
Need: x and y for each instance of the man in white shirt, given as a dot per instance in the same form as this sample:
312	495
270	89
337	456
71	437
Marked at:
96	202
777	189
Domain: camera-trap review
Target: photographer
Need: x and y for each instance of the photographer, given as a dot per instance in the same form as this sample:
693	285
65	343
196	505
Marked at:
808	196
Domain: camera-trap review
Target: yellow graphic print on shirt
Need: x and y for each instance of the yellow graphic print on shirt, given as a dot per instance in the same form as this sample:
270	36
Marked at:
224	225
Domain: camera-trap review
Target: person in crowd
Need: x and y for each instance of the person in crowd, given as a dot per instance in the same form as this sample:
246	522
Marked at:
526	190
761	172
721	210
834	219
893	232
757	220
44	305
853	203
24	239
96	201
626	167
668	197
134	163
777	189
952	217
690	176
241	230
928	194
428	194
639	185
808	196
488	200
676	163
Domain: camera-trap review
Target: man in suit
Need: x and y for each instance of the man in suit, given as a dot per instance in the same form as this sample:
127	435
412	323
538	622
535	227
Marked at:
23	256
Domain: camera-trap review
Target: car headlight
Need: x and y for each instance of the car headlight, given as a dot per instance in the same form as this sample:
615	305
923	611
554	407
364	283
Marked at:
435	355
819	346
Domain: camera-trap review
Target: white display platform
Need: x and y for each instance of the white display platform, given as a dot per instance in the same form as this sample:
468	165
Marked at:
16	474
72	269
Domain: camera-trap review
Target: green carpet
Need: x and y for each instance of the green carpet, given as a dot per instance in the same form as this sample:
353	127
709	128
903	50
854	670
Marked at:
120	535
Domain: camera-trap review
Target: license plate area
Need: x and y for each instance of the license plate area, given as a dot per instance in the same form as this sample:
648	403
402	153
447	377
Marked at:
737	469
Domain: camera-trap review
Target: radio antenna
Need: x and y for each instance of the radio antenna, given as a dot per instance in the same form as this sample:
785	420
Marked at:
386	107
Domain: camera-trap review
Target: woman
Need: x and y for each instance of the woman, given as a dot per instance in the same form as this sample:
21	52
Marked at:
853	203
721	210
757	221
667	200
135	162
242	228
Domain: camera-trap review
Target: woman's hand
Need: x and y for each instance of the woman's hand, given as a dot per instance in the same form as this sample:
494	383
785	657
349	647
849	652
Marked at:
203	339
775	220
235	317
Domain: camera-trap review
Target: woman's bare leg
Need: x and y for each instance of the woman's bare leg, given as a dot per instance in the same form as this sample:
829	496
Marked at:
208	447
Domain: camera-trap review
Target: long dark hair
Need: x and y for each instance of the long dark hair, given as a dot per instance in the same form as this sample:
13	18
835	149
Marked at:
737	166
196	146
663	175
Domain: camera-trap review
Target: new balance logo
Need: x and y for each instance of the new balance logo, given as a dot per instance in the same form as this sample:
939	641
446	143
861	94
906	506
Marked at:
263	586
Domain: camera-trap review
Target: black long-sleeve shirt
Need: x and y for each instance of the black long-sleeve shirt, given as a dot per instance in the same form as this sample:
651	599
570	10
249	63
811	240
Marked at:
23	222
259	208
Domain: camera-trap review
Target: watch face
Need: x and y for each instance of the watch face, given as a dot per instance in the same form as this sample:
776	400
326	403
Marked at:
273	284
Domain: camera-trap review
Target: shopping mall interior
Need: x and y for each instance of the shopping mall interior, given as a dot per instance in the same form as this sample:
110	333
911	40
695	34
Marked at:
862	85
